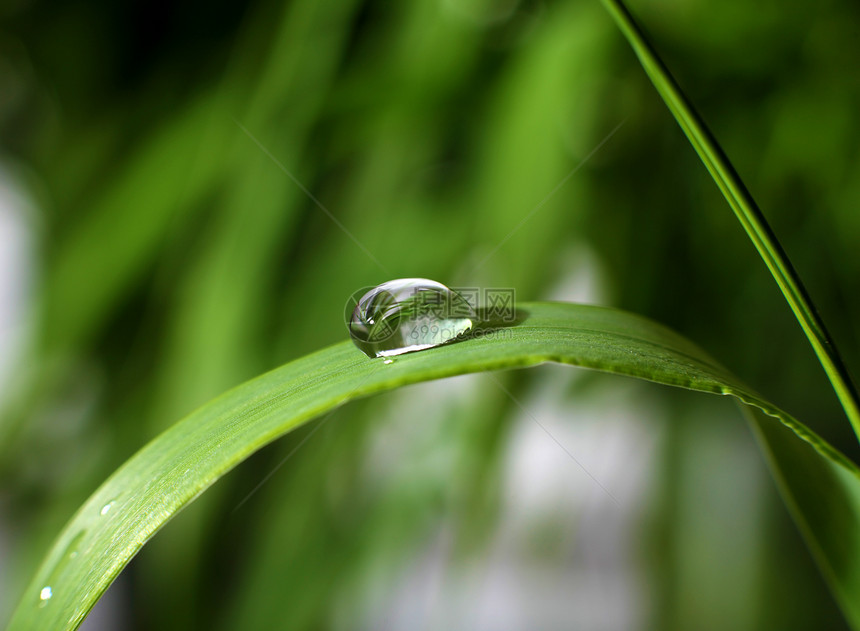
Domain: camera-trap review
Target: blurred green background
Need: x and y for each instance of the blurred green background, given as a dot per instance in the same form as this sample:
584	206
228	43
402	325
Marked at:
157	250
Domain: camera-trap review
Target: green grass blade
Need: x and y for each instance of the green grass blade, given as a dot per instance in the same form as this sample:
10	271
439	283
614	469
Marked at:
823	497
745	209
182	462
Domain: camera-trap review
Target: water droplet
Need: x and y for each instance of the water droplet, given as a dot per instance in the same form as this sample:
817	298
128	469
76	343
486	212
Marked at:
408	314
58	572
388	361
107	508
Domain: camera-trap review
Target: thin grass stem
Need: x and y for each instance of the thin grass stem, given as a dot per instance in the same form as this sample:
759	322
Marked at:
745	209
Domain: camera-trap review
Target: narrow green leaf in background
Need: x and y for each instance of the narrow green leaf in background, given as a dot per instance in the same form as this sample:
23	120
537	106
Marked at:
108	530
746	210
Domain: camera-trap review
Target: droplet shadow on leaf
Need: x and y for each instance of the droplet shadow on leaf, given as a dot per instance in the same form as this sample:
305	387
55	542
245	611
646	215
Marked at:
495	318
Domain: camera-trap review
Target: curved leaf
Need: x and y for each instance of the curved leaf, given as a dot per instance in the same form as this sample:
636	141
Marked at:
181	463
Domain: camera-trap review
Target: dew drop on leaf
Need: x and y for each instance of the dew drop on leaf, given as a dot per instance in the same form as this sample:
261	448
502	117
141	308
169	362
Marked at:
45	595
408	314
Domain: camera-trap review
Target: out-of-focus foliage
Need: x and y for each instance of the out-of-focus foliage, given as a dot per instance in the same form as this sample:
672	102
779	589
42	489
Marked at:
175	258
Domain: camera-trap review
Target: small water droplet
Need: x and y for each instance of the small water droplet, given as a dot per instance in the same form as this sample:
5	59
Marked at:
107	508
388	361
408	314
55	576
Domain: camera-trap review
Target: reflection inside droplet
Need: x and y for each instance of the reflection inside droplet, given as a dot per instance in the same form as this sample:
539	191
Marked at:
408	314
106	508
388	361
45	595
